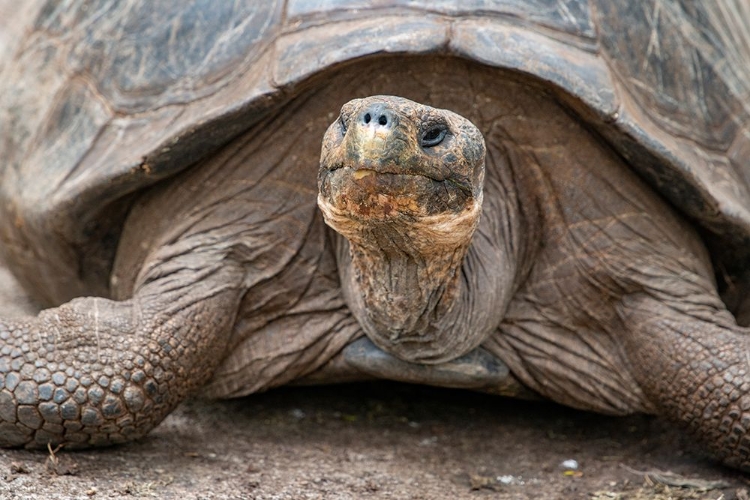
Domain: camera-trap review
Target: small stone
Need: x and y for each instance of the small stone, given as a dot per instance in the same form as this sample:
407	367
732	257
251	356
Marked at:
481	482
569	464
430	441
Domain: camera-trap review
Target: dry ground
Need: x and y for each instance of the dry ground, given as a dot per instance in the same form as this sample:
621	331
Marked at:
381	440
376	441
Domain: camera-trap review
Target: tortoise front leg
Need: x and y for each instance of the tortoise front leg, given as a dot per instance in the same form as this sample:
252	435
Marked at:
96	371
693	362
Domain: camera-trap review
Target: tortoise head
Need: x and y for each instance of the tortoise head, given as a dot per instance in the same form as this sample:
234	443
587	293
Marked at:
402	182
388	161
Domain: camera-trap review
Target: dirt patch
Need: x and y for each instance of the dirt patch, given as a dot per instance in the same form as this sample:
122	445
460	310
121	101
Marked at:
381	440
377	440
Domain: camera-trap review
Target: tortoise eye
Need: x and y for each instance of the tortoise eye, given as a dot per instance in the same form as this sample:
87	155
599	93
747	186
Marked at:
434	136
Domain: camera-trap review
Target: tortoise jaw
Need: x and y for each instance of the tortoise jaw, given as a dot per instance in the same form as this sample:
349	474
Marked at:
362	172
372	196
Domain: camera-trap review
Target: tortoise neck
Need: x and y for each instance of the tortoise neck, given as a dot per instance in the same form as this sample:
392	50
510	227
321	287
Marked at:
430	293
404	284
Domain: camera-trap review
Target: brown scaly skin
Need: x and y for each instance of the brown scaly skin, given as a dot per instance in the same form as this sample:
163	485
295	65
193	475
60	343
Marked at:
601	296
118	383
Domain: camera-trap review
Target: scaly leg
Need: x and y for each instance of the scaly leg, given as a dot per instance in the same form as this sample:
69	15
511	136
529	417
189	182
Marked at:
95	371
693	362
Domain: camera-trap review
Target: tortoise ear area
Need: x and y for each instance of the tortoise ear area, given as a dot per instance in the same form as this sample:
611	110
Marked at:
474	148
471	138
468	143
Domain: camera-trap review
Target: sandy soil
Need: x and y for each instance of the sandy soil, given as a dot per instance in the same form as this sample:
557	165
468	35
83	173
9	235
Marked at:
376	440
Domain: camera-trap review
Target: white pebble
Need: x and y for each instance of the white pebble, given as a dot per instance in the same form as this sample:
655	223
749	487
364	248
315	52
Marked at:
569	464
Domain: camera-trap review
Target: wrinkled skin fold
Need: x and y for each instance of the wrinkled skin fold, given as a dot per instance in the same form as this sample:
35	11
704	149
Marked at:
589	287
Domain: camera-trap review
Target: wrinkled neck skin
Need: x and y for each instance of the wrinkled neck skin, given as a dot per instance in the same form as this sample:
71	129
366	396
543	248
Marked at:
403	282
433	290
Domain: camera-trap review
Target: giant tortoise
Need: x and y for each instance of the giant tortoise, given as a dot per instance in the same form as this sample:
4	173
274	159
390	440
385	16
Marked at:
536	199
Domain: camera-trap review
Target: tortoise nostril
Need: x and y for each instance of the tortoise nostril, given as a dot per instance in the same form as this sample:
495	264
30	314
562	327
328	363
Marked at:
378	115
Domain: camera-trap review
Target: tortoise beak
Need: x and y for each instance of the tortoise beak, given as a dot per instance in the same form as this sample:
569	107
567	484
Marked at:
375	137
371	143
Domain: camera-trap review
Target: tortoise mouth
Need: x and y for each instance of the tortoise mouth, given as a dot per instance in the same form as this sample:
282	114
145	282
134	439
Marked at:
385	194
366	167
